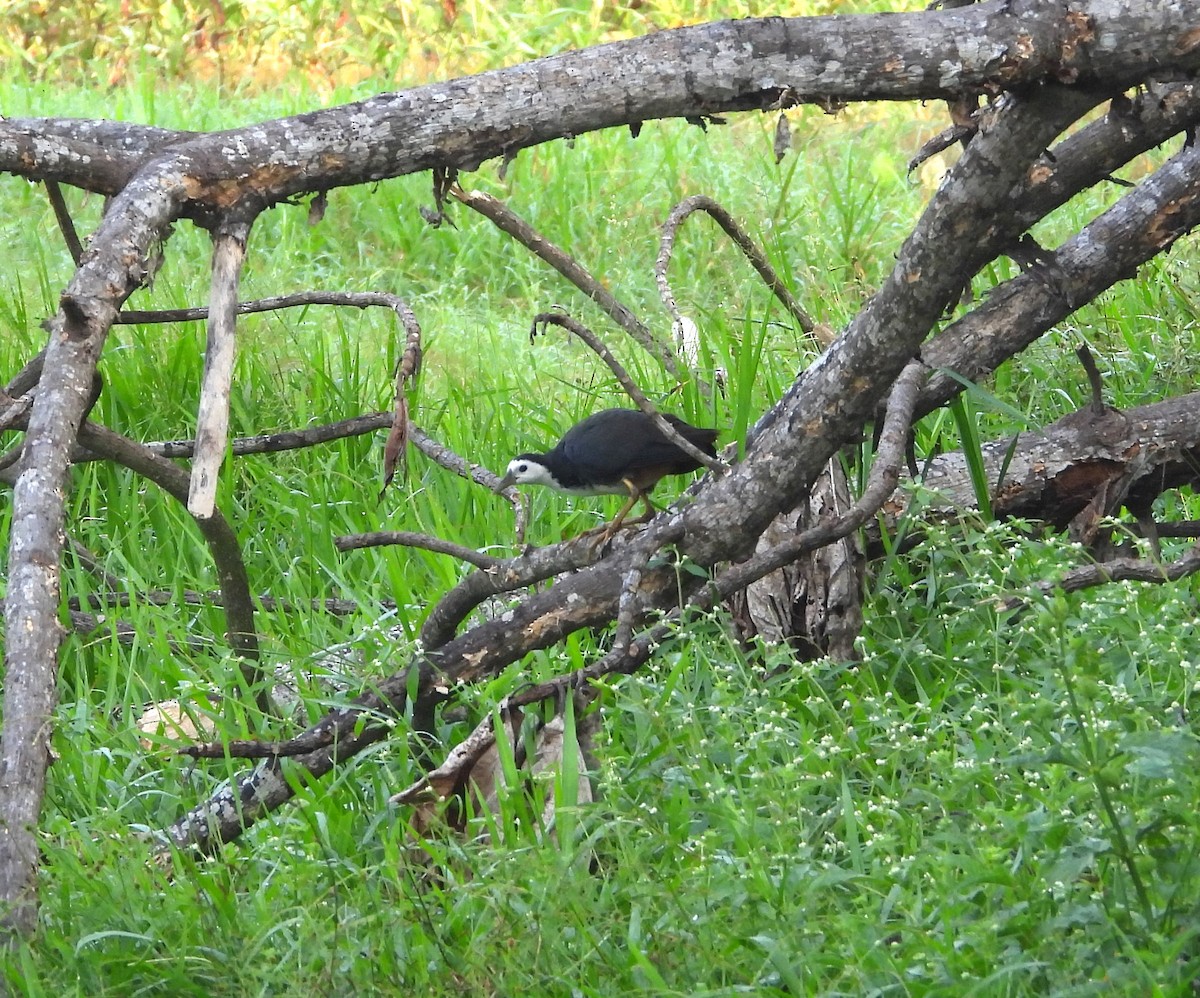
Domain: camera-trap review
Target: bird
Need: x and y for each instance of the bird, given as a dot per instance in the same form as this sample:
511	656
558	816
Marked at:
613	452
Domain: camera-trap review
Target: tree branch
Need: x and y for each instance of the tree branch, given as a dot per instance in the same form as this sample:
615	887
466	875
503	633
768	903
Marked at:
729	225
212	419
1023	45
222	542
509	221
1145	222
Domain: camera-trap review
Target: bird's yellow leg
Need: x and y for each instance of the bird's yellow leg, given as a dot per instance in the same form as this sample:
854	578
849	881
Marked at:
608	530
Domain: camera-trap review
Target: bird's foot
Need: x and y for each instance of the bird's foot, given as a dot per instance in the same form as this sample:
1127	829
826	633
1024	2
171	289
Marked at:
607	531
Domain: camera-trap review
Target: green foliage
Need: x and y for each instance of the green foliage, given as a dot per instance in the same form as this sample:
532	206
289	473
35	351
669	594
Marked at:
984	804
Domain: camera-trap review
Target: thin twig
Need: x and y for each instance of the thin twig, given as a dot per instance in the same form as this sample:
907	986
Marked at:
382	538
301	299
190	597
512	223
442	455
91	564
1093	373
97	628
943	140
757	258
252	749
270	443
1116	570
1129	569
16	410
222	543
639	397
65	223
395	449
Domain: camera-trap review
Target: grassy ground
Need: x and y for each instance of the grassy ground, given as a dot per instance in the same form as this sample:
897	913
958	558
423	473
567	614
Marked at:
982	805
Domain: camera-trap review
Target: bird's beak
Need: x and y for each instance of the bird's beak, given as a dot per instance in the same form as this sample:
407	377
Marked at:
505	482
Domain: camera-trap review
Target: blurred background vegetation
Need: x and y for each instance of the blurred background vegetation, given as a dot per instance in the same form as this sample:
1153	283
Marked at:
335	44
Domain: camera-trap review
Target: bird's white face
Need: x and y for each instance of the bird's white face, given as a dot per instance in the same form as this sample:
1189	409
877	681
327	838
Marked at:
524	471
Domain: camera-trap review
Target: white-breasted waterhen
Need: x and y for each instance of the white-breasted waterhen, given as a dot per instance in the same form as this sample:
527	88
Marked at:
614	452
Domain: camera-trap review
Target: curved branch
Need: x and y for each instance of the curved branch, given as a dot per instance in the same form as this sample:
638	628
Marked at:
222	542
534	566
405	538
509	221
730	227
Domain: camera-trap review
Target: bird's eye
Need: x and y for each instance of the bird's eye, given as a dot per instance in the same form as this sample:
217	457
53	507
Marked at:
522	468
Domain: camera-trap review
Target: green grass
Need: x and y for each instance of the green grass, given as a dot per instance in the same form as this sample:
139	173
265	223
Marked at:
983	805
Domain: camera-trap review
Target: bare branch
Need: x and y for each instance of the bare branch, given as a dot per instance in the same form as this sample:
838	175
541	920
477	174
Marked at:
1024	45
190	597
1093	374
65	223
729	225
1145	222
408	366
270	443
382	538
509	221
881	483
222	542
1129	569
1116	570
533	566
940	142
440	454
921	56
629	605
212	419
301	299
238	748
91	564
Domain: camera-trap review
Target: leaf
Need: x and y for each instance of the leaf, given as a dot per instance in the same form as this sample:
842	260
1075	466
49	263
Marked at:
783	138
1159	755
780	962
395	450
972	449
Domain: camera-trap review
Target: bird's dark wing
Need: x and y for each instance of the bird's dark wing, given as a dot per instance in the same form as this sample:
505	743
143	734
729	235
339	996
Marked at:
610	444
